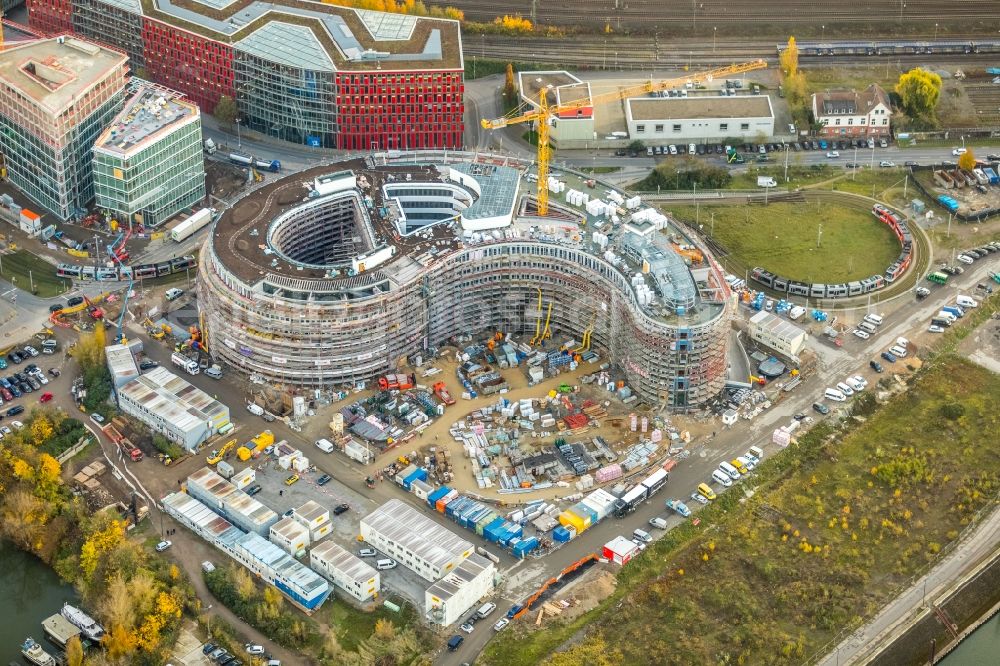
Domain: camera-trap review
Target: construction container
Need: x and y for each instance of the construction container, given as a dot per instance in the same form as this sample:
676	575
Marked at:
578	522
401	476
225	470
437	494
421	488
244	478
443	502
583	510
456	506
561	535
525	546
494	530
487	519
418	473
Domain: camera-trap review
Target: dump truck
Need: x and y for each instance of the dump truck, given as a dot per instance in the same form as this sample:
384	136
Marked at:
397	382
441	391
125	445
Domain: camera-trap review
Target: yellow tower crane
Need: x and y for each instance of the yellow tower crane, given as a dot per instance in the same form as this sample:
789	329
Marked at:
542	115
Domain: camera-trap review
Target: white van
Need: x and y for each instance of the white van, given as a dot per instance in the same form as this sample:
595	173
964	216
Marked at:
730	471
324	445
967	302
897	351
874	318
944	314
51	343
902	342
692	149
642	535
867	326
256	410
485	610
382	565
835	395
658	523
721	478
174	294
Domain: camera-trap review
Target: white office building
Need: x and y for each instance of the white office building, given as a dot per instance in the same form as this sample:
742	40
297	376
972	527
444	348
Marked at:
779	334
449	599
699	119
414	540
346	571
171	406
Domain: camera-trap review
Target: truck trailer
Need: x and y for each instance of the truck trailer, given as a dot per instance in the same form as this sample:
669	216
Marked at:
193	223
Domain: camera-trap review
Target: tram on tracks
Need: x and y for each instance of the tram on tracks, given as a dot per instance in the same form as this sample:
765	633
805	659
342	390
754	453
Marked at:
895	48
124	273
854	288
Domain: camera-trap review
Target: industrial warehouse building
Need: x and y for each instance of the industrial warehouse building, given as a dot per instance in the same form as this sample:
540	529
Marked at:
447	600
572	129
303	586
223	497
149	163
699	119
414	540
171	406
56	96
311	73
779	334
346	571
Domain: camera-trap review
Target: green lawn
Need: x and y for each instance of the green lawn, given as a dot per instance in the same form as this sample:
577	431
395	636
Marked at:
353	626
782	238
23	269
837	524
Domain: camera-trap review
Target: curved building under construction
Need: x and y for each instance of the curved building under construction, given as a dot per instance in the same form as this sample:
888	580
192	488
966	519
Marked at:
334	274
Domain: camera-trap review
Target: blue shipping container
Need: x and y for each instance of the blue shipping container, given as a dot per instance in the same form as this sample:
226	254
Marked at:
525	546
561	534
493	531
437	494
418	473
456	506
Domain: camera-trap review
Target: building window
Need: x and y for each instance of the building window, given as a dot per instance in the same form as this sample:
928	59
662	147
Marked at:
658	129
850	121
723	127
677	128
885	121
745	126
640	128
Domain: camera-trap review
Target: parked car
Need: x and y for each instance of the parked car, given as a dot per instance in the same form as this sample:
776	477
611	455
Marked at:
341	508
323	480
911	163
254	649
501	623
291	479
965	259
821	408
889	357
705	490
15	410
31	350
253	490
467	627
148	364
935	329
54	372
886	164
97	419
208	647
367	552
861	334
697	497
45	397
163	545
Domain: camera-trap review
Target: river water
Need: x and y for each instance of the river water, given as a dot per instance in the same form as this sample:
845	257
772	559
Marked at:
982	647
30	592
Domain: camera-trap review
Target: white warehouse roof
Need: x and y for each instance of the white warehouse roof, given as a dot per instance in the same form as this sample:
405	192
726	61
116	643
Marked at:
349	566
779	328
466	572
169	397
401	523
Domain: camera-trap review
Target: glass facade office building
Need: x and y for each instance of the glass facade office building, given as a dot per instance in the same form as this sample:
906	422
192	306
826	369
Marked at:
148	164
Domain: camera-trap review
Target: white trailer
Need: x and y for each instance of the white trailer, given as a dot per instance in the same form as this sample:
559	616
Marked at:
192	224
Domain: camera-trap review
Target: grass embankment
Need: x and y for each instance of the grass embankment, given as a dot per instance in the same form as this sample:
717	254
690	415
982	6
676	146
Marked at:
782	238
22	268
477	68
339	634
837	525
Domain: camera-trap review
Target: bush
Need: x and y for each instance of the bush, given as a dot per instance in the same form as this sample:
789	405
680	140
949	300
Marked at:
692	174
166	447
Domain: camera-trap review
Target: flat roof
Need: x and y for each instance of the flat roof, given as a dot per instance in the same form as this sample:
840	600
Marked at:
342	38
307	581
470	569
345	562
680	108
174	400
56	73
401	523
150	114
121	363
289	529
498	188
776	326
563	87
311	512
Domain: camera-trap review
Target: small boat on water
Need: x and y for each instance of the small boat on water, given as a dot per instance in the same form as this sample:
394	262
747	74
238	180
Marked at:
87	624
34	653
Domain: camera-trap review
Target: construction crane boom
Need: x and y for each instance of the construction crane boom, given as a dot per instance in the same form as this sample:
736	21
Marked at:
544	112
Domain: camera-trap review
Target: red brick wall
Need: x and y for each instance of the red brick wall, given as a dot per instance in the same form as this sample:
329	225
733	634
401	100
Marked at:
200	68
399	110
50	16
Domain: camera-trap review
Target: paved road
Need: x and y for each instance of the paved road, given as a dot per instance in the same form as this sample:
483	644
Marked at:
909	318
871	637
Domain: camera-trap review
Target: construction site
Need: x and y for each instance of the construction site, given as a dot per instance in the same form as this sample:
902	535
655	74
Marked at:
410	257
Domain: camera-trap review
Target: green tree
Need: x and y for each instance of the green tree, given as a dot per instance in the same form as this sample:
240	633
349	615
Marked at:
637	146
919	91
225	110
967	161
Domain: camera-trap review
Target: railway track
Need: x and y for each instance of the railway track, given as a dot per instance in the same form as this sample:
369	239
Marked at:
707	16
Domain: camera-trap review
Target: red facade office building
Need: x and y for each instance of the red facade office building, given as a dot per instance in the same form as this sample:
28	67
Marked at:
305	72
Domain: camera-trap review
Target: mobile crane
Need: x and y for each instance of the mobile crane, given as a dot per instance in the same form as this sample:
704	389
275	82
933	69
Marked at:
543	114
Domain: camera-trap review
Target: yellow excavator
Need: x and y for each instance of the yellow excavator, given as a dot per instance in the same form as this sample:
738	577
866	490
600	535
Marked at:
217	456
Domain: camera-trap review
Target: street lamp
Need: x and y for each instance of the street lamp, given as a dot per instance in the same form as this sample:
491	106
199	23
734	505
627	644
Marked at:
823	38
239	140
715	32
935	31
